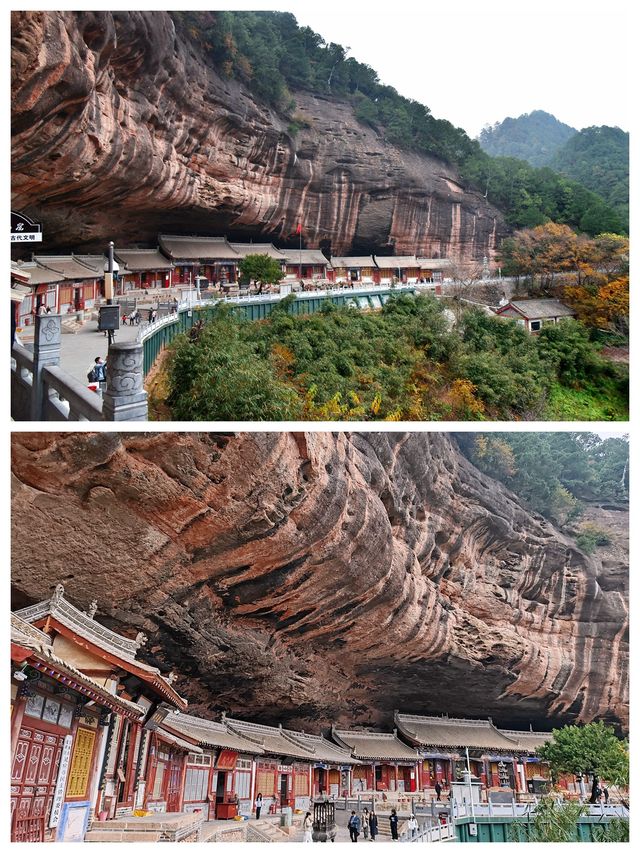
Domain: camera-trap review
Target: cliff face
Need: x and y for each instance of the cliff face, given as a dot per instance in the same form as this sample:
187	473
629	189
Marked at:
121	130
308	578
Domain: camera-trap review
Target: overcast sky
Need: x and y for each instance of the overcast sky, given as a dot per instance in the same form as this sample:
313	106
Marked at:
474	62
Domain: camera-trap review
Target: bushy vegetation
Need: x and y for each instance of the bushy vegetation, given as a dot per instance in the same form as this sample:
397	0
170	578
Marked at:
598	157
401	363
555	472
534	137
590	274
275	57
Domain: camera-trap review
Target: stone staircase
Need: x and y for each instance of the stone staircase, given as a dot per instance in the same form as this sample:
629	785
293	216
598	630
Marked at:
384	828
270	831
70	327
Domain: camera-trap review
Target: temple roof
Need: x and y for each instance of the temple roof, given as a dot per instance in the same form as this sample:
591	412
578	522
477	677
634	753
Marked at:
28	637
381	746
273	740
305	256
72	267
139	260
210	733
433	263
453	733
323	750
197	248
358	261
85	626
393	263
244	249
528	741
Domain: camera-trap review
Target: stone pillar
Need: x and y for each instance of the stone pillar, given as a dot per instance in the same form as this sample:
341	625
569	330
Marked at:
46	353
125	398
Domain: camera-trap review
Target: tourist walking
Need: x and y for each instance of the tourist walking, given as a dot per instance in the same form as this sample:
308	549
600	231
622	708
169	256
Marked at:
354	826
365	824
438	789
413	825
393	823
258	806
373	825
307	826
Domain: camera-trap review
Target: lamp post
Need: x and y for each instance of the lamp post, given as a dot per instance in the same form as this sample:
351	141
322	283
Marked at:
110	268
473	816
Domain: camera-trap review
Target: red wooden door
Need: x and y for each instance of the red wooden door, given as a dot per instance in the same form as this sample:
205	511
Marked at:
34	772
174	783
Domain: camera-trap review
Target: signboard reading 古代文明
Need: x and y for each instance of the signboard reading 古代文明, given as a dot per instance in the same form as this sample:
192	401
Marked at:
24	230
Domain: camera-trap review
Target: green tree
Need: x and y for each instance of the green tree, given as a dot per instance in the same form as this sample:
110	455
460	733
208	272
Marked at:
550	822
260	268
591	750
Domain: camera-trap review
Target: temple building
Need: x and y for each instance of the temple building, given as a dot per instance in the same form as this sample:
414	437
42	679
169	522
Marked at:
305	264
142	268
283	769
121	760
62	283
59	723
387	764
356	269
533	314
219	781
402	268
211	257
433	269
495	757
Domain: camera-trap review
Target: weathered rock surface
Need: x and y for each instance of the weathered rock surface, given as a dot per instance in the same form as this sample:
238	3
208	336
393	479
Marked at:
121	130
316	577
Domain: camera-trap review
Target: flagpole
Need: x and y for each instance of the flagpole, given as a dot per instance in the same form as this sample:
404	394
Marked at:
300	247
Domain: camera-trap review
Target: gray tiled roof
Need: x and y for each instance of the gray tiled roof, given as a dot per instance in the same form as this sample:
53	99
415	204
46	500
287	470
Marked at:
197	248
539	309
394	263
244	249
358	261
273	740
68	267
309	256
323	749
452	732
528	741
210	733
433	263
368	745
28	637
139	260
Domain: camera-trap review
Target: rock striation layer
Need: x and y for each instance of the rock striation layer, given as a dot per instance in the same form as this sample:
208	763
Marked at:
309	578
121	130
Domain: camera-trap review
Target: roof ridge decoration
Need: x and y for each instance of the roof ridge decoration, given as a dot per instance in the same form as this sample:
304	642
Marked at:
62	609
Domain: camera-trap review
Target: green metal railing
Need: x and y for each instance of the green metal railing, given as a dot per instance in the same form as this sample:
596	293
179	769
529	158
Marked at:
156	339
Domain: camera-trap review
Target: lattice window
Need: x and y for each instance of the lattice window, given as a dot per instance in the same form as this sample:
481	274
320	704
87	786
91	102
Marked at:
301	785
196	784
80	763
243	785
265	782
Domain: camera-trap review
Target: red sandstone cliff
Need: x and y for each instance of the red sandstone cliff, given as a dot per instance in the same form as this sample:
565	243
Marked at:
316	577
121	130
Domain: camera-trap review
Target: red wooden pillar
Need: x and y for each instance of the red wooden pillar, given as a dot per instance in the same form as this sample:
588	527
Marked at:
395	773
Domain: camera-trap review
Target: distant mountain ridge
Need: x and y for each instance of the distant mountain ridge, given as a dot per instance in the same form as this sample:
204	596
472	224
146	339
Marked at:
534	137
598	157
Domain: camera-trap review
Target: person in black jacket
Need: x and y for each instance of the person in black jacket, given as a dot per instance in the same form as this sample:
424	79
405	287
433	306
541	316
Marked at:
373	825
393	822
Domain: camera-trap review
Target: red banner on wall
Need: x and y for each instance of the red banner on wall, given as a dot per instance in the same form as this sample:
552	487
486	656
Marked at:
227	760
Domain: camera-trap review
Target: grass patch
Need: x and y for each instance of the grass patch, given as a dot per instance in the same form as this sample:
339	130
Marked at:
606	401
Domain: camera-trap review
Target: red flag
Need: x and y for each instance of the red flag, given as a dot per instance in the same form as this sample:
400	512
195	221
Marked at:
299	229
